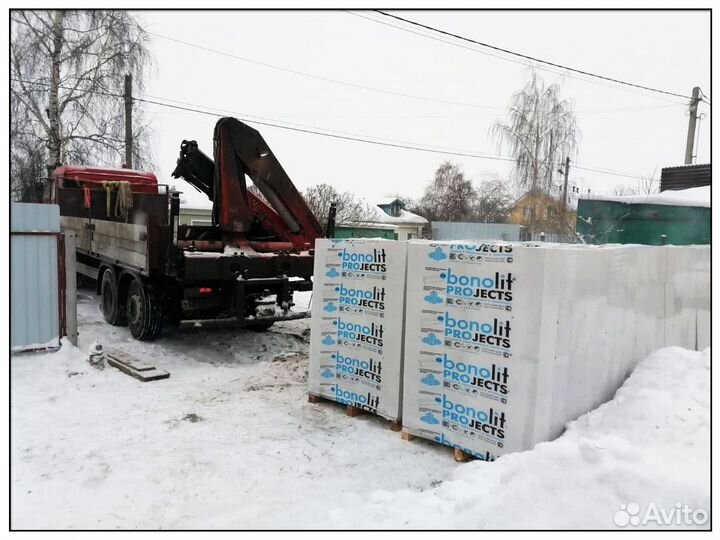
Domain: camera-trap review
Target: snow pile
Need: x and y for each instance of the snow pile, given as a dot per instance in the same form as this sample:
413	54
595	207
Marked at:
698	197
230	441
649	445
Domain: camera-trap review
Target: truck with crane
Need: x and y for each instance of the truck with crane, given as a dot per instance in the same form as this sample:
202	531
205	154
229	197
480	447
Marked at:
152	272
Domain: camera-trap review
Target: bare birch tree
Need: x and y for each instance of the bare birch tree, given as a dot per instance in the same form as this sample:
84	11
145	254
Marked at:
539	133
67	77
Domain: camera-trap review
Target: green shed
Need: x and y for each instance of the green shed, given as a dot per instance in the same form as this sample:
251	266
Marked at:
352	231
672	217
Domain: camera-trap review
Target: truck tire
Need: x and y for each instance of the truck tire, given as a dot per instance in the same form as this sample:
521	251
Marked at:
144	311
112	308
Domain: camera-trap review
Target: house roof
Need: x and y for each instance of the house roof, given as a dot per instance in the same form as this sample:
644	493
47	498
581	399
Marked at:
387	201
380	216
699	196
404	217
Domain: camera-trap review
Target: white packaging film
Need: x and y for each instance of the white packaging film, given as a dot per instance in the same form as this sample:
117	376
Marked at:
506	343
357	323
503	343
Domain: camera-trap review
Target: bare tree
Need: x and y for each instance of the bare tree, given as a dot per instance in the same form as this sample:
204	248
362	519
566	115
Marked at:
646	185
540	132
67	77
27	155
449	197
493	202
350	208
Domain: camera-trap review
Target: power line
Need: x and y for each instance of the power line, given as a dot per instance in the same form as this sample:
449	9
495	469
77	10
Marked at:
427	116
531	58
504	58
298	128
189	107
322	78
365	87
476	50
605	171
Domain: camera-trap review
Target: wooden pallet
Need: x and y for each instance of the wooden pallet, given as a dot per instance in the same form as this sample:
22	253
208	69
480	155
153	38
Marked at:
460	456
130	365
352	411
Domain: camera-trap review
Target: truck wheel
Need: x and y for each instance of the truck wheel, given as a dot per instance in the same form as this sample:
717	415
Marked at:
144	312
112	309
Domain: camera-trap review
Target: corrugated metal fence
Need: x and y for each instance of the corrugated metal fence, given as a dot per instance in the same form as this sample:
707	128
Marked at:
36	276
446	230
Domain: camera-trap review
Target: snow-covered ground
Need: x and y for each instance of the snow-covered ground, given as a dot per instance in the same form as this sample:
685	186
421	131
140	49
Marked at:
229	441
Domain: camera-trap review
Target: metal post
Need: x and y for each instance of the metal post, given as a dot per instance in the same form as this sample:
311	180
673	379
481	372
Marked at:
567	170
691	125
128	122
70	289
330	227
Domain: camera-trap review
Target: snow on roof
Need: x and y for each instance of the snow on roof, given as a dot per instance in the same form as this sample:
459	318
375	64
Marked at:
195	205
368	224
699	196
381	217
404	217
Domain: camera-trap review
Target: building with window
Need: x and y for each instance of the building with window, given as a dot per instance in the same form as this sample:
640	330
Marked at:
542	215
391	218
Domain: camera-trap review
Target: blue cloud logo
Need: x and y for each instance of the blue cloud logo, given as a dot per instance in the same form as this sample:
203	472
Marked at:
431	339
433	298
328	373
332	273
430	380
429	418
438	254
328	341
330	307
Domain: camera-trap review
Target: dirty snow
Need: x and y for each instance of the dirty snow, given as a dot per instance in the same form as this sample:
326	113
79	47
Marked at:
229	441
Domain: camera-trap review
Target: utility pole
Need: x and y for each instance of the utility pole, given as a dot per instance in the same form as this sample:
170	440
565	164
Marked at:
128	122
691	125
567	170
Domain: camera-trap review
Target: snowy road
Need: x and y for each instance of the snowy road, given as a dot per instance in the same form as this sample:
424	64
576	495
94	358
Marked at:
229	441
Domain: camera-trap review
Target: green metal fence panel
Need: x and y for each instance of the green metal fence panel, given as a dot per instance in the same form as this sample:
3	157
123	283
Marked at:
363	232
611	222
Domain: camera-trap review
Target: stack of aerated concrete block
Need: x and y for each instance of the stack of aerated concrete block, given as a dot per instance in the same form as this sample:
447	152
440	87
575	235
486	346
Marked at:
357	323
503	343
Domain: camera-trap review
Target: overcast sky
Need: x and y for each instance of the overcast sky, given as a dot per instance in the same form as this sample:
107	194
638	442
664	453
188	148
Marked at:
622	129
